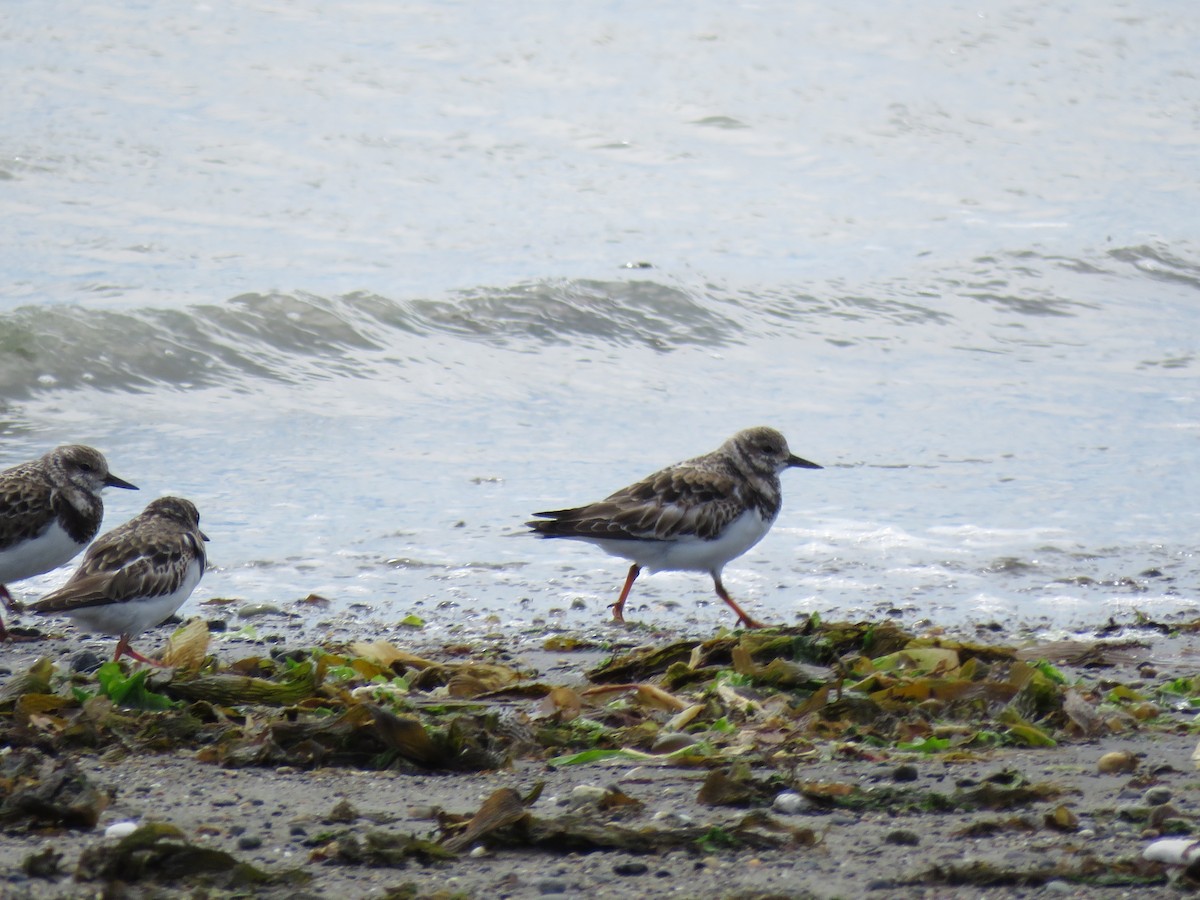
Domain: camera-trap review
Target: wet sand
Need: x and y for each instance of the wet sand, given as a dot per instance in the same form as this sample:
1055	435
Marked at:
282	818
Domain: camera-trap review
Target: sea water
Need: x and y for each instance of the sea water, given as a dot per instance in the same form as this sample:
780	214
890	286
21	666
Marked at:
371	282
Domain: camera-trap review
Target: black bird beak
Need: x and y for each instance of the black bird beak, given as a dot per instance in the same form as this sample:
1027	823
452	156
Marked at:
113	481
798	463
203	535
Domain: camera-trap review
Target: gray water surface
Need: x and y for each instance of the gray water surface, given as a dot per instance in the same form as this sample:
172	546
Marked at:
370	282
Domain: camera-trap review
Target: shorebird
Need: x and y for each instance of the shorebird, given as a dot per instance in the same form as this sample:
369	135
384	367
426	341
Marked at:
693	516
135	576
50	508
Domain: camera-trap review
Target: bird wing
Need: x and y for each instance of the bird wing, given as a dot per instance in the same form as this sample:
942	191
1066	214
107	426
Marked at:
678	501
116	568
25	510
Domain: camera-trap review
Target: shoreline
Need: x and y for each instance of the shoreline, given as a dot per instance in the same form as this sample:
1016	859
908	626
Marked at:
786	781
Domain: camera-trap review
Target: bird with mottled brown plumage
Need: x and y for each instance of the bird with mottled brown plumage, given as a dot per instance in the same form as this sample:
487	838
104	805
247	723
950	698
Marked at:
693	516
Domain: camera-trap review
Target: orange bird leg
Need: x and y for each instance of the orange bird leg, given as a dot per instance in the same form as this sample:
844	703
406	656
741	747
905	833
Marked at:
123	649
743	619
618	608
12	604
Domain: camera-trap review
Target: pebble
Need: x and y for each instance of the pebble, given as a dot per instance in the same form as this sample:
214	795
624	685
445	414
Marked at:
587	793
343	812
1132	812
1117	762
251	610
631	868
789	803
902	838
669	743
1157	796
86	661
120	829
666	815
1058	887
552	886
249	842
906	772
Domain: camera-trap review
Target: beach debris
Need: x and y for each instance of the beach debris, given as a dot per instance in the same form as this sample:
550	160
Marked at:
37	791
160	852
502	809
187	648
46	863
377	848
749	712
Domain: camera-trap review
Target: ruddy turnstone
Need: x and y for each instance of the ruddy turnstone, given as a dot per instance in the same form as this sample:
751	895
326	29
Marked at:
50	508
694	516
135	576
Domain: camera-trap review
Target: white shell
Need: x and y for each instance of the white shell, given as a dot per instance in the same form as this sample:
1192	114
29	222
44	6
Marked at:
1178	851
120	829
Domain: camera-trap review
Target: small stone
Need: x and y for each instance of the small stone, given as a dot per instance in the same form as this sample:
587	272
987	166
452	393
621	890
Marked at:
1117	762
674	818
906	772
298	831
674	741
1133	812
118	830
253	610
552	886
789	803
631	868
1157	796
902	838
1058	887
249	842
343	813
478	852
583	794
85	662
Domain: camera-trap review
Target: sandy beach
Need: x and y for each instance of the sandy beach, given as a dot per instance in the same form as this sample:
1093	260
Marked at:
769	799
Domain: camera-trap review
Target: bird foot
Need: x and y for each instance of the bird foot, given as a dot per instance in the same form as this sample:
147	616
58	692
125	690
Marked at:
123	649
11	603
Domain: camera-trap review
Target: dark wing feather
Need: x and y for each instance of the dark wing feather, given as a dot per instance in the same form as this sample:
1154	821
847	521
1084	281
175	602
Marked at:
138	559
678	501
25	510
